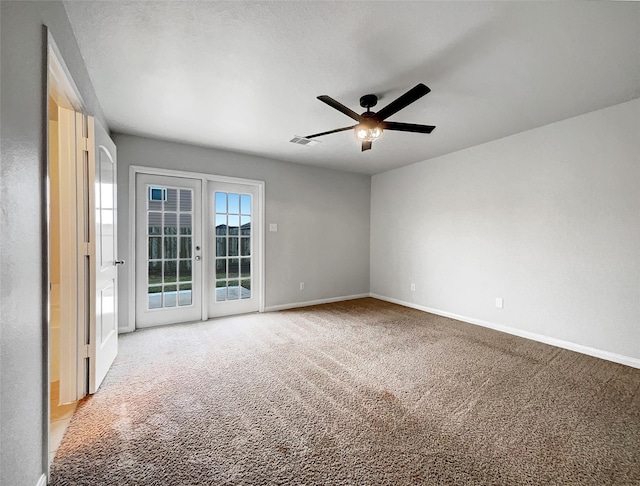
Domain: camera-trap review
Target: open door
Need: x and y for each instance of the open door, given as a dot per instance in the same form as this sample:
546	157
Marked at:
103	338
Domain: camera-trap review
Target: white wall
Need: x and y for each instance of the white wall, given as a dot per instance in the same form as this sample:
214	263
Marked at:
23	335
548	219
322	216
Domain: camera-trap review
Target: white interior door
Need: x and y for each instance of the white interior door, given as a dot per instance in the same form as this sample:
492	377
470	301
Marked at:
168	250
104	342
234	256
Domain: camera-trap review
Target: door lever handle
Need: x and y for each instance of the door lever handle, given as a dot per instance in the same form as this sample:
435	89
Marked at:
118	262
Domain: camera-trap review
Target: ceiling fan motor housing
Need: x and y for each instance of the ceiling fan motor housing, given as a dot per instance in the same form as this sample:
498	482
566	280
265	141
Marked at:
368	101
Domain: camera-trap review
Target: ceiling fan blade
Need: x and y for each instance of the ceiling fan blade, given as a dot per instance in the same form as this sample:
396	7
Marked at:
339	106
407	127
330	131
366	146
403	101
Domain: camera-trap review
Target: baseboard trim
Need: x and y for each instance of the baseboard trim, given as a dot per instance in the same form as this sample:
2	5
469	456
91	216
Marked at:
294	305
42	481
578	348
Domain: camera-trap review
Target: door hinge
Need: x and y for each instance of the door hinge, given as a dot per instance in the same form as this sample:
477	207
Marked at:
87	351
86	249
85	144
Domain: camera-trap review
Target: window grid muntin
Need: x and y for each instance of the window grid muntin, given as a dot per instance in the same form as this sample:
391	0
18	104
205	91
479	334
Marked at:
179	211
233	246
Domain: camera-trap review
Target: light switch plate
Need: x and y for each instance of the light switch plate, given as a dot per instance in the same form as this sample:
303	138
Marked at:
273	227
499	303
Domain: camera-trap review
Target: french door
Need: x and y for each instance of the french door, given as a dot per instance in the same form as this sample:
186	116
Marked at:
168	250
198	249
234	264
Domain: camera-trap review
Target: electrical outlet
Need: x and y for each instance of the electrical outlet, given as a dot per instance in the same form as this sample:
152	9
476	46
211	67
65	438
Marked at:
301	285
273	227
499	303
413	286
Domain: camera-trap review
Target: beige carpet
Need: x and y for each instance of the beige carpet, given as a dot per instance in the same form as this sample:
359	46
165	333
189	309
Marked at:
355	393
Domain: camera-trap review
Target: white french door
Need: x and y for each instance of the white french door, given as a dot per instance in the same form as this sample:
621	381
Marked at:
234	256
168	250
198	248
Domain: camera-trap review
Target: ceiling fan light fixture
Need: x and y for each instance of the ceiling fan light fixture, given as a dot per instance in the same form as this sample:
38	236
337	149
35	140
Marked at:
367	133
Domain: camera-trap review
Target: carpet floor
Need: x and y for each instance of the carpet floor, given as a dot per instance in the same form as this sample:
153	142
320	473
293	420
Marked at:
361	392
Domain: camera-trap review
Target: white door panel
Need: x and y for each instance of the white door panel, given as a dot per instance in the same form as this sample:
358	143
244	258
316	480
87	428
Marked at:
104	338
168	250
233	254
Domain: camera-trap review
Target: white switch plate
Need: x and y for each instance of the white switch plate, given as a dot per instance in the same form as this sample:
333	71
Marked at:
273	227
499	303
301	285
413	286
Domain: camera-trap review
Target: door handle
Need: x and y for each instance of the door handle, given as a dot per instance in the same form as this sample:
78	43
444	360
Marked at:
197	258
118	262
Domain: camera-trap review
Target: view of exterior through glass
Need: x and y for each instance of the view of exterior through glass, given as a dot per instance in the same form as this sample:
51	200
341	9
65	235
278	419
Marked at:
170	252
233	246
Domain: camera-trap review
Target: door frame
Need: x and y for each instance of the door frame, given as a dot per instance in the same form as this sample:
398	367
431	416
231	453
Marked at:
134	170
60	85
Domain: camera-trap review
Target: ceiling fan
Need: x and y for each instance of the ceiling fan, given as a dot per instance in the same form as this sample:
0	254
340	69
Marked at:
371	124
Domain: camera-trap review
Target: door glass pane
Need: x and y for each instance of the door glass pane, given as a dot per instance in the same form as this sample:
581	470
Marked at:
234	203
221	268
245	225
245	246
221	290
170	294
185	271
185	200
234	224
184	295
233	292
171	204
221	224
170	271
221	247
155	248
233	246
155	297
245	267
155	223
221	202
185	223
155	205
245	204
245	290
155	273
233	267
170	247
170	223
185	247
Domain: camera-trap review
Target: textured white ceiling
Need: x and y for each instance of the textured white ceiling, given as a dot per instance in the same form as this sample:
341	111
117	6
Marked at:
244	76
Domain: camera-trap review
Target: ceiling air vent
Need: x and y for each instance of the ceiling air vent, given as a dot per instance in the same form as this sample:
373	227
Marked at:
304	141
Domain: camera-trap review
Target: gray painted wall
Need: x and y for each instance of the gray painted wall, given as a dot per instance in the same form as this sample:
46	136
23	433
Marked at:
322	216
548	219
23	380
